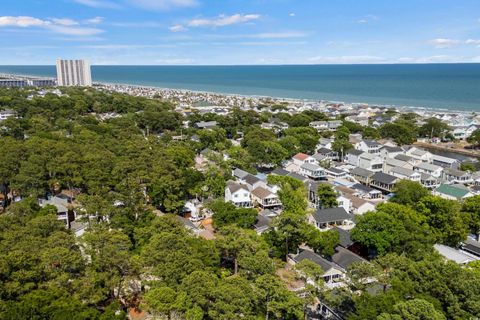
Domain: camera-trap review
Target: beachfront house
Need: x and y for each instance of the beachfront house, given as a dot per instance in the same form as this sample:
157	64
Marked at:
238	194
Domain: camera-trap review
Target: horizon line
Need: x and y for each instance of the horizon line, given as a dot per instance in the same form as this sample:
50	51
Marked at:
244	65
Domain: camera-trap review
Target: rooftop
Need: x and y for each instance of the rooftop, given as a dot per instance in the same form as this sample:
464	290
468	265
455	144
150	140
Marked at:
452	190
312	256
331	215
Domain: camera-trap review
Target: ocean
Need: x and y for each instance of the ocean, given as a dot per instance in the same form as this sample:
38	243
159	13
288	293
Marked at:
442	86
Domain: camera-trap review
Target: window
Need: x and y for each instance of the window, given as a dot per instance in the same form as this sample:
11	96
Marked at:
235	196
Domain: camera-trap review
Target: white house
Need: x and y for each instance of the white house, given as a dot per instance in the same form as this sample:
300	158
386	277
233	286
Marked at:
332	274
313	171
353	157
64	211
265	198
369	146
238	194
302	158
326	219
419	154
428	168
457	176
445	162
370	161
359	205
404	173
5	114
390	163
390	152
462	133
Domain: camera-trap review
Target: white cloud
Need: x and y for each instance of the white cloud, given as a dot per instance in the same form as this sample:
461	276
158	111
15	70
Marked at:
347	59
75	31
125	46
220	21
266	35
164	4
62	26
177	28
447	43
99	4
280	35
64	22
367	19
22	22
475	42
96	20
442	43
175	61
223	20
292	14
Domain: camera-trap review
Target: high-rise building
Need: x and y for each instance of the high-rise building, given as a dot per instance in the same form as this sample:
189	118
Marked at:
73	73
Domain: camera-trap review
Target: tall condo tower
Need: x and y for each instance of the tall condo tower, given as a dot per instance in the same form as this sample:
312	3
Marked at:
73	73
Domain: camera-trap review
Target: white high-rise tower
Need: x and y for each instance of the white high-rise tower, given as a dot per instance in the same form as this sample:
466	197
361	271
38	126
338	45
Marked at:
73	73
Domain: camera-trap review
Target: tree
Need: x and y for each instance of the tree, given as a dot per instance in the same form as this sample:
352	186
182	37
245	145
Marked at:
409	192
164	301
225	213
235	242
471	206
395	228
413	309
474	138
400	132
326	195
275	300
341	144
433	127
444	217
323	242
468	166
309	270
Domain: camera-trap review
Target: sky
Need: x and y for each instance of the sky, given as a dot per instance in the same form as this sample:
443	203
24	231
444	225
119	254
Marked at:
239	32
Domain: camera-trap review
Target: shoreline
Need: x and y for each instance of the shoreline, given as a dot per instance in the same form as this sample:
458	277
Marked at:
355	105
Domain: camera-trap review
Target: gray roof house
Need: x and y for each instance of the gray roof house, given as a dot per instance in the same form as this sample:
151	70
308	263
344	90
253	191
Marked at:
325	219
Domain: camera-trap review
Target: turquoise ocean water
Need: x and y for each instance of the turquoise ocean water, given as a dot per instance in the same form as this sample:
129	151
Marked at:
446	86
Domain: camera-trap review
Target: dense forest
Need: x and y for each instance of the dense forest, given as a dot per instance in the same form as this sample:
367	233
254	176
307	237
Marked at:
132	257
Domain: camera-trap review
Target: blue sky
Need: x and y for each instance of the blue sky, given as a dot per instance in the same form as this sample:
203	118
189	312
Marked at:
219	32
